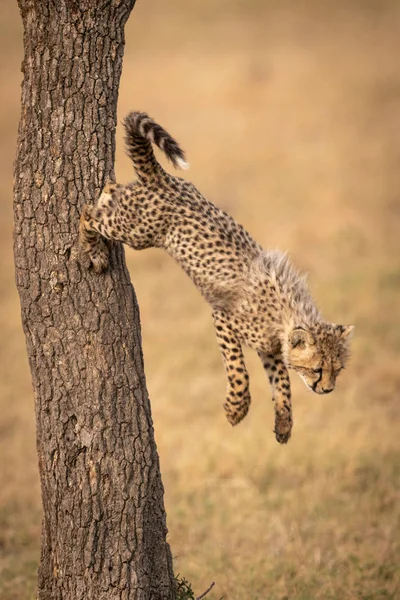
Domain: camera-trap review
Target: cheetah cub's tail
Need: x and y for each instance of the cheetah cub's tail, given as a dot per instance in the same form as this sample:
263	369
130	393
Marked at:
140	132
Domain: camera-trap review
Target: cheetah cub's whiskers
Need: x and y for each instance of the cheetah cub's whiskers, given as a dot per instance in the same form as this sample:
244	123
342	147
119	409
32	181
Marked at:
257	296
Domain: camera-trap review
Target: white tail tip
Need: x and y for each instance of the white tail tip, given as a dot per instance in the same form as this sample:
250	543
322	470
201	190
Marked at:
181	163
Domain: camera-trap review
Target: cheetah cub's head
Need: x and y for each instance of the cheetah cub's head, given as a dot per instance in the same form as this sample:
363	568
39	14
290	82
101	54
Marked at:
319	354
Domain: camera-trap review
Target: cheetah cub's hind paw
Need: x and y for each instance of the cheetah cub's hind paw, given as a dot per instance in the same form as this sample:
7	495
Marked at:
99	256
94	250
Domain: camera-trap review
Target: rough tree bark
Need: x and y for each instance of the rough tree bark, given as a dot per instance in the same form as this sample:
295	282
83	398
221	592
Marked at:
104	528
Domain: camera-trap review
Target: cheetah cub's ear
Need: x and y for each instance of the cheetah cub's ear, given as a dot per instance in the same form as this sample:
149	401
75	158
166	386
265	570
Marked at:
300	338
346	331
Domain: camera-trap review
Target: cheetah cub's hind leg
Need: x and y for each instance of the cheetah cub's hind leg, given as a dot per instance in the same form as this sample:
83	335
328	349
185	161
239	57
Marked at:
92	244
280	383
238	394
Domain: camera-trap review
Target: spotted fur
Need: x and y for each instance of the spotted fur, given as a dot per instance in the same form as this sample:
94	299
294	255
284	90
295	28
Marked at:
257	296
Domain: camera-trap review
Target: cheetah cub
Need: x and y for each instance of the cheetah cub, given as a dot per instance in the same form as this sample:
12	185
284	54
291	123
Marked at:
257	297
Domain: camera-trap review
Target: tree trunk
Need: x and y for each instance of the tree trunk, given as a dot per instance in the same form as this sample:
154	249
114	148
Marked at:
104	527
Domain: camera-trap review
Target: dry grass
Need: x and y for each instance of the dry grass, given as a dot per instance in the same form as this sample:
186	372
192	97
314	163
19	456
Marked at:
289	115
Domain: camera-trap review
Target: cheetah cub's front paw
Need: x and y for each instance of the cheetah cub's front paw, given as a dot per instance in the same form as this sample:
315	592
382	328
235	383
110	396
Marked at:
283	427
236	412
92	245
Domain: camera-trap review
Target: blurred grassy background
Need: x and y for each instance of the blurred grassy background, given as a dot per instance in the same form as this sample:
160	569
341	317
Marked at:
289	113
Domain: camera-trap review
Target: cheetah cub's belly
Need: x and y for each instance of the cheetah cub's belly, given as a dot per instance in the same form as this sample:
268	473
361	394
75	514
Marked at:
257	297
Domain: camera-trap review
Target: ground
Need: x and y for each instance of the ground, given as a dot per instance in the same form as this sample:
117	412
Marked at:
289	115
